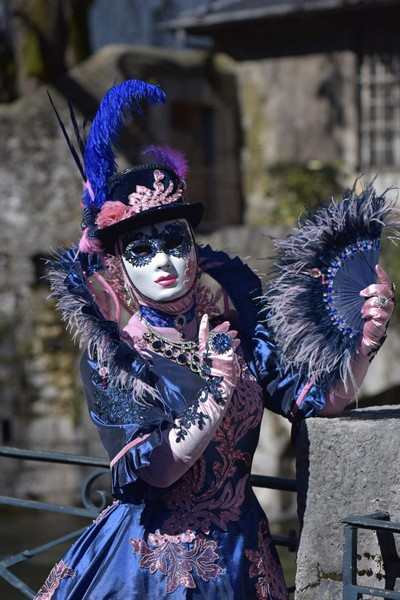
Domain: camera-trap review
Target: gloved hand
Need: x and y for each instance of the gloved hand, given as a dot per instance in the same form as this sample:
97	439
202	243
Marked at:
217	349
376	312
177	454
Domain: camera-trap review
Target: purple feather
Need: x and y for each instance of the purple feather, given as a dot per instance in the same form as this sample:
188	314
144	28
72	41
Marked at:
169	157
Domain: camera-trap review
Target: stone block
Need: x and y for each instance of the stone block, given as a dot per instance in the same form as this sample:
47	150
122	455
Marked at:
345	466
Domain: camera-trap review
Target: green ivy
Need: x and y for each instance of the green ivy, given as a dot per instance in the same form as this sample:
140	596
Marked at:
294	185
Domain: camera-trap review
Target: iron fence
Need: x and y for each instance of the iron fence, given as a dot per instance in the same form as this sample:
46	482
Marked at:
384	528
91	509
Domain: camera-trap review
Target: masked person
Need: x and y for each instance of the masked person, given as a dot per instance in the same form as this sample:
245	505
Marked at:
177	392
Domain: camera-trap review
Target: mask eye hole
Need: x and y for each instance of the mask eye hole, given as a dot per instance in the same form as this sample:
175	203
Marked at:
173	241
139	251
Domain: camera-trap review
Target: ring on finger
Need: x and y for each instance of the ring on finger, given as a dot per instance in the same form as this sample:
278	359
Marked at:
219	341
382	301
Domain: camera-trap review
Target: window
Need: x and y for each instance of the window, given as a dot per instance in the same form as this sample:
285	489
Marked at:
380	110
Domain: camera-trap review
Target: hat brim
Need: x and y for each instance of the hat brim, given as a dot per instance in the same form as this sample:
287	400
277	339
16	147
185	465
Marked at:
191	212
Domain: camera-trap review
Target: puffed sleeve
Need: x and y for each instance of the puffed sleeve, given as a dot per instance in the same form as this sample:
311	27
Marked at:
285	391
131	420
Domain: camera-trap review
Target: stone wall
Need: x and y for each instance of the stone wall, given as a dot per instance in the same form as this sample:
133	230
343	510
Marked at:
345	466
296	109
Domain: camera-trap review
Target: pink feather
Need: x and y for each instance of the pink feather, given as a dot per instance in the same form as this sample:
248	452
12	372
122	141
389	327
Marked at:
89	245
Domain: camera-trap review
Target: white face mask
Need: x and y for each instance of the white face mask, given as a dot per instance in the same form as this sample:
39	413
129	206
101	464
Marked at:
160	260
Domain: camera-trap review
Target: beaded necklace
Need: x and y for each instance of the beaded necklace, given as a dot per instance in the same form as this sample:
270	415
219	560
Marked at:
183	353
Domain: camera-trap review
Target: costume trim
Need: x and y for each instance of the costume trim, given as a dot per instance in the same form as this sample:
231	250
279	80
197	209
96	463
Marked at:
59	572
300	398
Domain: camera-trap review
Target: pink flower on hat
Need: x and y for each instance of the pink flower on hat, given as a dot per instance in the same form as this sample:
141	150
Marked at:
113	211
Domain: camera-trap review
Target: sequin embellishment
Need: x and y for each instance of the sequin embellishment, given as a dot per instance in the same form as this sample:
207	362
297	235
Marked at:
174	240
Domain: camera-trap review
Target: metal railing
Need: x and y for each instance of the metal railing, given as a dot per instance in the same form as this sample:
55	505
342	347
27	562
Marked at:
90	510
384	528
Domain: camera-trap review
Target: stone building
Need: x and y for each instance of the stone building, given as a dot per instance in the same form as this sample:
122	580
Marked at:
315	83
318	83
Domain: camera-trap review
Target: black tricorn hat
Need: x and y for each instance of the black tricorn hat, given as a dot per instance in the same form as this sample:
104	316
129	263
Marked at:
140	196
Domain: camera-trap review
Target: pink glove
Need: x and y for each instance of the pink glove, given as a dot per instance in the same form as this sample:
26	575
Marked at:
176	455
376	312
217	349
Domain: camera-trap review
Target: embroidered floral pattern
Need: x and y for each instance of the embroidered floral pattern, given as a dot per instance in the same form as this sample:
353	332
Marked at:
213	382
270	584
190	273
215	495
113	273
171	555
60	571
145	198
208	302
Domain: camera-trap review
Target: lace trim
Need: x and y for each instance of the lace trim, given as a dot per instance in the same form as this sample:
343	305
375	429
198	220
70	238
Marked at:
116	406
106	510
128	447
192	415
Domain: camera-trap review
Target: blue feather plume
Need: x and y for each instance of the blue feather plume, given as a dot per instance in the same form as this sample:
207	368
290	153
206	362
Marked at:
114	111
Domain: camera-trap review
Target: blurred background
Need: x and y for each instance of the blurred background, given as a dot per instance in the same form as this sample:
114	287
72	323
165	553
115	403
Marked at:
276	105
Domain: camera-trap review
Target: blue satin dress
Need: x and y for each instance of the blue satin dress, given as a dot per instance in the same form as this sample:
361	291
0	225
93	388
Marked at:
205	536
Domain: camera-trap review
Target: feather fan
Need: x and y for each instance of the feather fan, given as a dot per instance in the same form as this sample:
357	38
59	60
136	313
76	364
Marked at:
313	305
